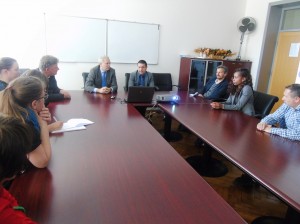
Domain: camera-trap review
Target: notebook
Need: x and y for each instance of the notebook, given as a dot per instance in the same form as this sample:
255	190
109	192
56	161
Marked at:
140	94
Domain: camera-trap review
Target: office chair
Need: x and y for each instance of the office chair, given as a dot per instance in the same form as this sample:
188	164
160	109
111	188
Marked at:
263	104
84	76
126	81
163	81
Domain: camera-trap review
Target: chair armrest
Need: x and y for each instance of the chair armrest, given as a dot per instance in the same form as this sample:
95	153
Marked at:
258	116
218	100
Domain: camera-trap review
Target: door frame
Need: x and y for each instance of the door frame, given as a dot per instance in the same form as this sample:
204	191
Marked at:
274	16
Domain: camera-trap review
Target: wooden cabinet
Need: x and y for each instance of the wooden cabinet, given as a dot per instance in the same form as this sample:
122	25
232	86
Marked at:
195	72
233	65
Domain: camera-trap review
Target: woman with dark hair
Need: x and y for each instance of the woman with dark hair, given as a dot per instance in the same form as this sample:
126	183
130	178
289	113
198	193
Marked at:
24	99
241	94
15	142
9	70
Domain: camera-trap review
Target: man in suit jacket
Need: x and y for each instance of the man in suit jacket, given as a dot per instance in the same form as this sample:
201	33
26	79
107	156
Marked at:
48	66
141	77
102	78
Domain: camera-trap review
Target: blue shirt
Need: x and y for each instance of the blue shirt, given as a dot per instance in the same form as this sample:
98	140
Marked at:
141	81
2	85
288	119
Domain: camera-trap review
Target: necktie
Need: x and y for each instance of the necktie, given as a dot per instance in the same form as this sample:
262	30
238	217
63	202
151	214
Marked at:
142	80
103	79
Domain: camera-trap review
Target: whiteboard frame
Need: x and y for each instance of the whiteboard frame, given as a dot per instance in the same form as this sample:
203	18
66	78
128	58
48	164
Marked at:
106	45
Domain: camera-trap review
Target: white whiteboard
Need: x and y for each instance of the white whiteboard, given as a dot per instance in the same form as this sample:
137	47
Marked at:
79	39
131	42
75	39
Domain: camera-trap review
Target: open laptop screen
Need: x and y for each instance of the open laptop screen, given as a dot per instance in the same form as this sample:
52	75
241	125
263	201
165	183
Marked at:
140	94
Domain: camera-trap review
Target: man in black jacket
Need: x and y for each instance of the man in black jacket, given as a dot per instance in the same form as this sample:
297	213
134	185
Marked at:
48	66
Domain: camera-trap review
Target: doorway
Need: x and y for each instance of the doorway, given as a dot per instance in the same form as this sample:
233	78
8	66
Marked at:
285	65
274	27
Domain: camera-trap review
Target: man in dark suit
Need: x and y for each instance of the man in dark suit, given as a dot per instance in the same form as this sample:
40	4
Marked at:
141	77
102	78
48	66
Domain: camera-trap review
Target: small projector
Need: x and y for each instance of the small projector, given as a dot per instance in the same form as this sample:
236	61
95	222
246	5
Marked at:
167	98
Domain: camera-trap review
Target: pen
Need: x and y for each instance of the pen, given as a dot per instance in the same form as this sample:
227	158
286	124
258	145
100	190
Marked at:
54	118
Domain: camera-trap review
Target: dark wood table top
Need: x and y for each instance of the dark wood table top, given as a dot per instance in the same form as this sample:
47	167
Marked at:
271	160
119	170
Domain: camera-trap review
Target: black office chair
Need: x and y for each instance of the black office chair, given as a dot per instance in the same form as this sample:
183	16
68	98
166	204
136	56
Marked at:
163	81
126	81
263	104
84	76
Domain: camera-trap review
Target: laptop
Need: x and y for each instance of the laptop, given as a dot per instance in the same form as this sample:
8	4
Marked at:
140	94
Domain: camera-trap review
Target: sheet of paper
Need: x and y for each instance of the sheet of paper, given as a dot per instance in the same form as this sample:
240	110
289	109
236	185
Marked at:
69	129
74	125
77	122
294	50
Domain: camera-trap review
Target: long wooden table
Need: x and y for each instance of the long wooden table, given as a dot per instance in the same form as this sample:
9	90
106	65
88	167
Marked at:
271	160
119	170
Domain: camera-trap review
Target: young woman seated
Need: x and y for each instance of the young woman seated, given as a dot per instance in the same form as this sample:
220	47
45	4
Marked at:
24	99
45	113
241	94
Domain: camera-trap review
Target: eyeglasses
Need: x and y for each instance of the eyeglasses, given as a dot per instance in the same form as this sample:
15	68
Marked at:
44	97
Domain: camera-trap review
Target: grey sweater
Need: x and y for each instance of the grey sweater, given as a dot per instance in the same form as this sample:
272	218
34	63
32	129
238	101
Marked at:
242	102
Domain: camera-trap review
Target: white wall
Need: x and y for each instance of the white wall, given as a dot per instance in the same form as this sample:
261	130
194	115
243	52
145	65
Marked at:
185	25
253	42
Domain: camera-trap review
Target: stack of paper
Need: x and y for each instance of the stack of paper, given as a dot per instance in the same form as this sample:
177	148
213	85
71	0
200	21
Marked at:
74	125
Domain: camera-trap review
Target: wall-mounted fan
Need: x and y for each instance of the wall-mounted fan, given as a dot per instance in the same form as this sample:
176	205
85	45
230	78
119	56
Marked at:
246	25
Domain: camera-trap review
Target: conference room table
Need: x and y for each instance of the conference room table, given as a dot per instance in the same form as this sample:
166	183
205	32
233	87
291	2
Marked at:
118	170
271	160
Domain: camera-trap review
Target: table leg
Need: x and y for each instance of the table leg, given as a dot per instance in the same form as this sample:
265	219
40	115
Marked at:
292	217
169	135
206	165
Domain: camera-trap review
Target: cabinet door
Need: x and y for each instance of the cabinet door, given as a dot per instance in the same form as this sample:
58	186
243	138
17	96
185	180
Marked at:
184	73
197	75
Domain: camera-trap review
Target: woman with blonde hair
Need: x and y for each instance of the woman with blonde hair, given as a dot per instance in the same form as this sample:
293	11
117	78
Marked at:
24	99
45	111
